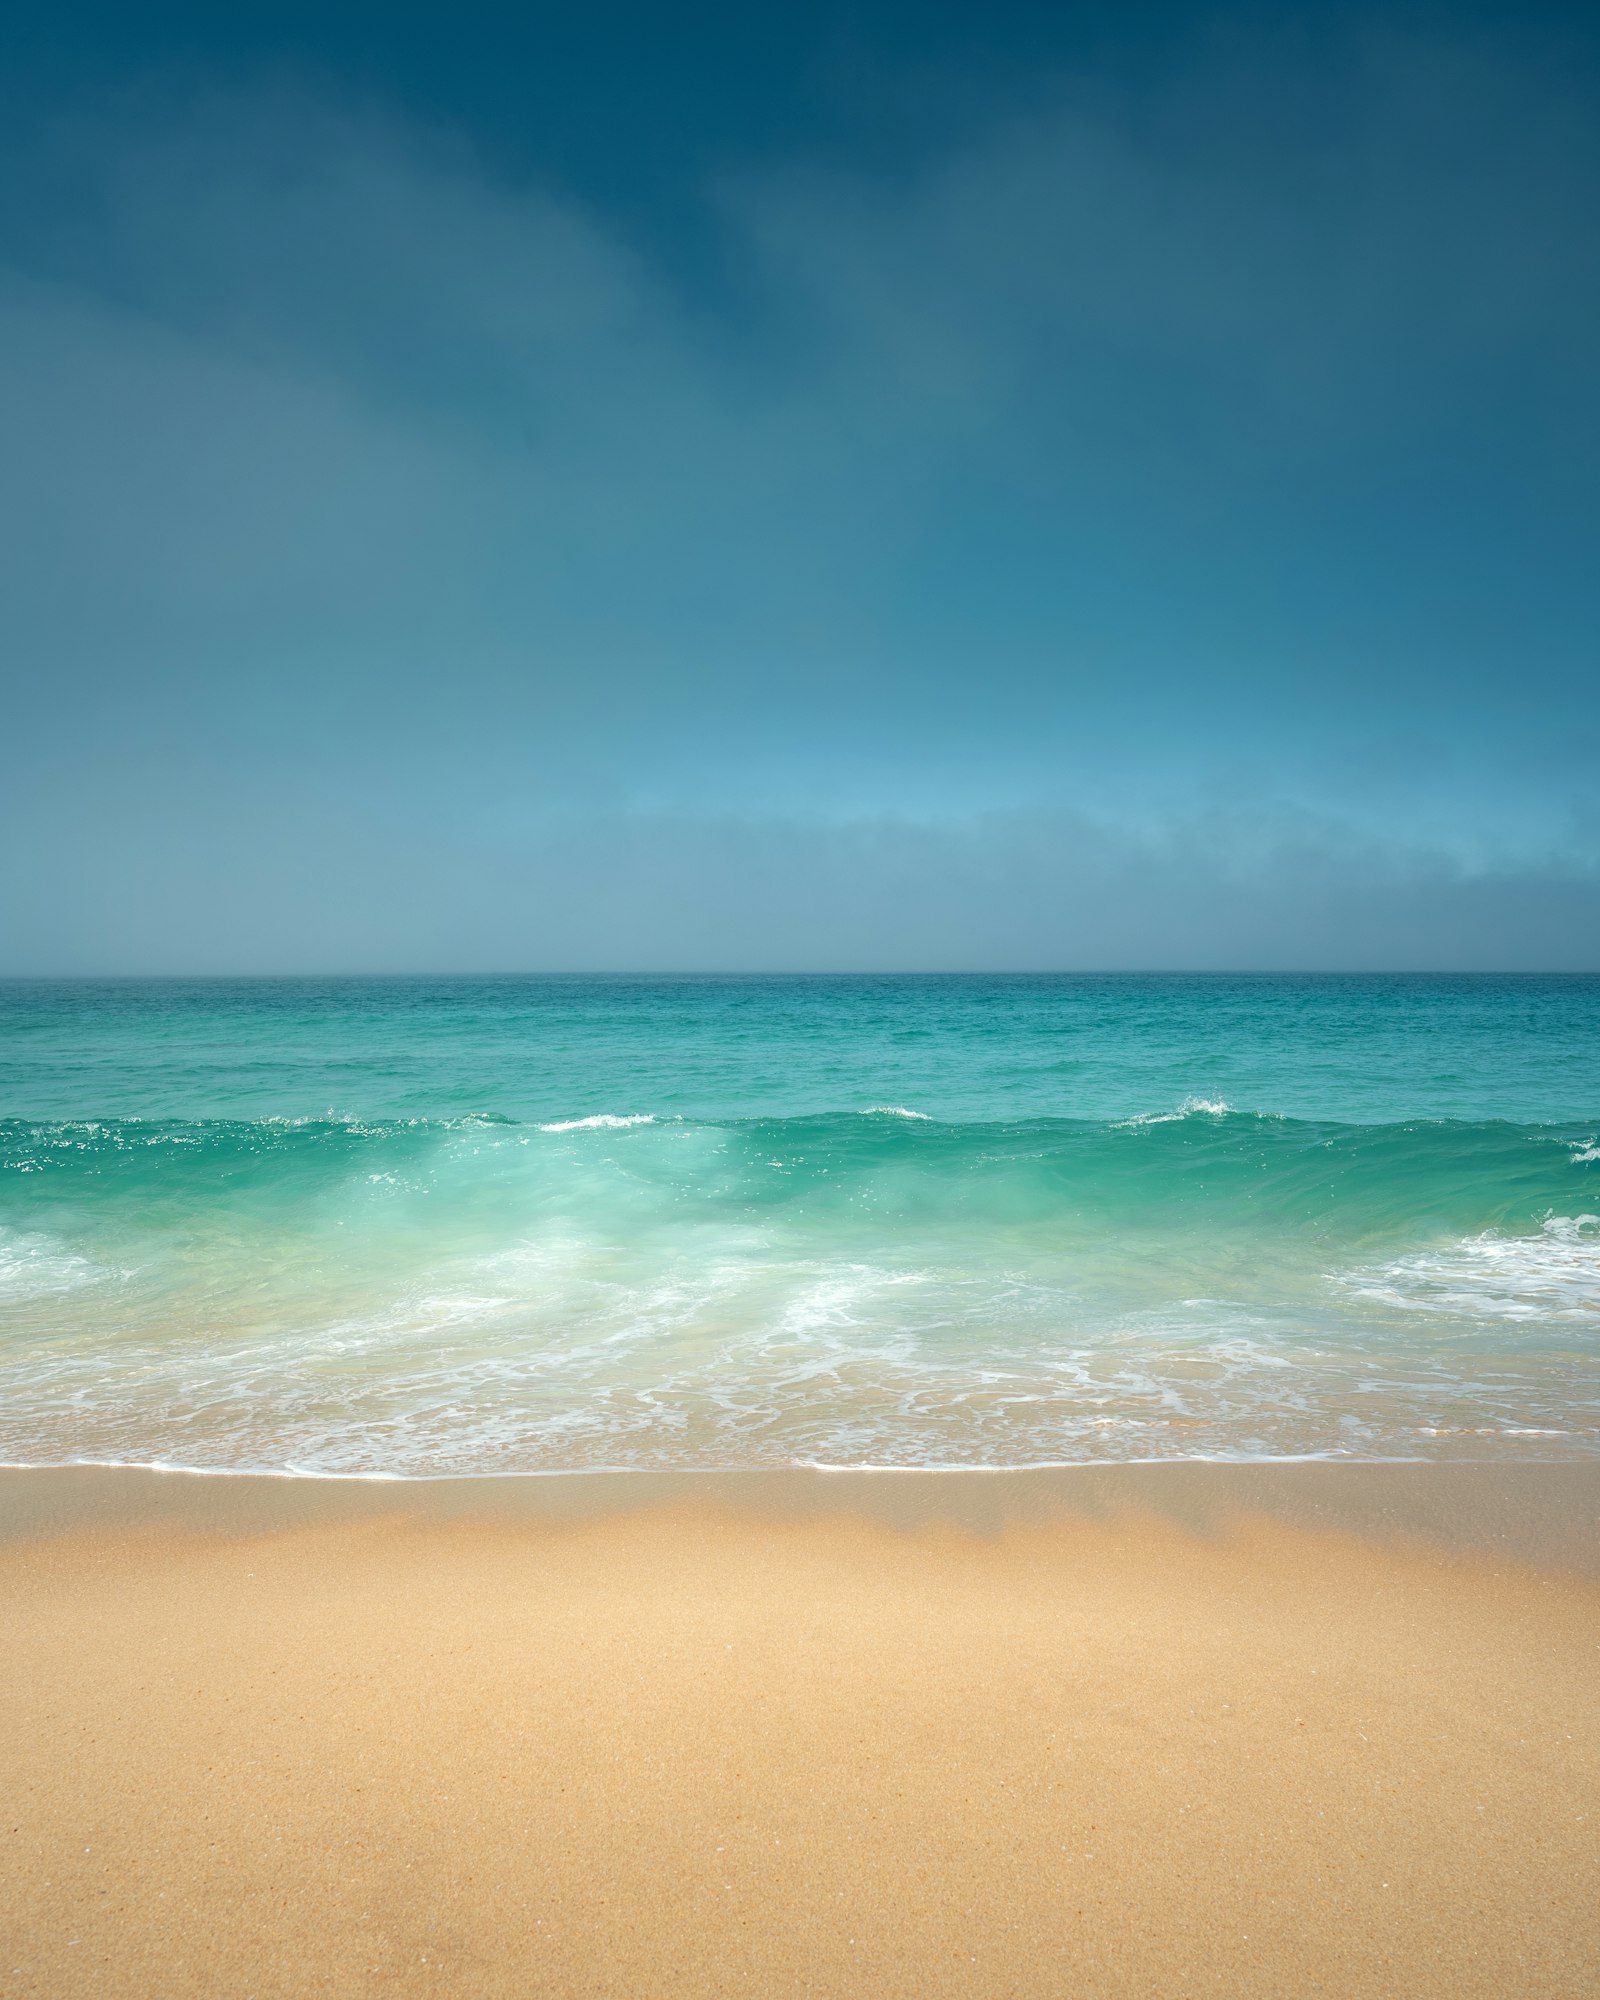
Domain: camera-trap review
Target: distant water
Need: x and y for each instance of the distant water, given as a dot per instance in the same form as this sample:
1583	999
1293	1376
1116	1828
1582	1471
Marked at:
477	1225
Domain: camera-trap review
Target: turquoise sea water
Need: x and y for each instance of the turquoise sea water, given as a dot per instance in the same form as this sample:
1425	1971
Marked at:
430	1226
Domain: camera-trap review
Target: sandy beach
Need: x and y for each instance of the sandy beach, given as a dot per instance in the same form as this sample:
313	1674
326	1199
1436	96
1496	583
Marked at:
1202	1730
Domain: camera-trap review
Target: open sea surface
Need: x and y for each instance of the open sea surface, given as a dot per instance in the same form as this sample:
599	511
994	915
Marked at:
429	1226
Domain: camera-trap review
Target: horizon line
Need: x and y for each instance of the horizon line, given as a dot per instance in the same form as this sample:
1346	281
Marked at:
819	973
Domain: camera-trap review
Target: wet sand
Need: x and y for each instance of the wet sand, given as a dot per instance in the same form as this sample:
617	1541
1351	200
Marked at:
1208	1730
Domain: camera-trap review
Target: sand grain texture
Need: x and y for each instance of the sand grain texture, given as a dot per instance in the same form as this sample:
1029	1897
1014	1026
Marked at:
688	1751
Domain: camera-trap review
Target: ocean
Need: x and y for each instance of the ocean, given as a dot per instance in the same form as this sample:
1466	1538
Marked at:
428	1226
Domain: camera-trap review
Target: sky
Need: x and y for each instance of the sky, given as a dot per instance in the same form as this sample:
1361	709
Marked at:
798	487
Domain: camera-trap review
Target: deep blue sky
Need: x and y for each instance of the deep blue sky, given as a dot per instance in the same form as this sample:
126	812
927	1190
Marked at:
820	487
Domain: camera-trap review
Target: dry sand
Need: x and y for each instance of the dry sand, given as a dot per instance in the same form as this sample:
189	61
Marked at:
784	1737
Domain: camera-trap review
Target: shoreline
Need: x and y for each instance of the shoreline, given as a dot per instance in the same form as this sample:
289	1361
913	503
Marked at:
1227	1730
1543	1513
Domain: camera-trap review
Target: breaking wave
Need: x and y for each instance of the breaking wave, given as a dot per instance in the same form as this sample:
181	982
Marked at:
1551	1276
410	1296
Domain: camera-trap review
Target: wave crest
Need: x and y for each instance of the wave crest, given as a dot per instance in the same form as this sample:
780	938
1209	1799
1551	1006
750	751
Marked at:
1191	1107
602	1121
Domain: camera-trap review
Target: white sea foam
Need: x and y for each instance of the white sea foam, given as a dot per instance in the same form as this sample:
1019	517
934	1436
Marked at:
36	1266
1191	1107
742	1337
1582	1154
1554	1275
604	1121
564	1353
895	1111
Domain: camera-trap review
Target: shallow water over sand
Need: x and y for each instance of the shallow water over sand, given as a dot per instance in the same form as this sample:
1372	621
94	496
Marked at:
425	1227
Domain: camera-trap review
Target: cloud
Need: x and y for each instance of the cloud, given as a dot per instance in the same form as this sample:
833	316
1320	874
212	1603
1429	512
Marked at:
276	882
1319	262
1134	457
1095	299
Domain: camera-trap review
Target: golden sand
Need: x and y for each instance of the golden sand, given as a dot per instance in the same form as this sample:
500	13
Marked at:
700	1749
